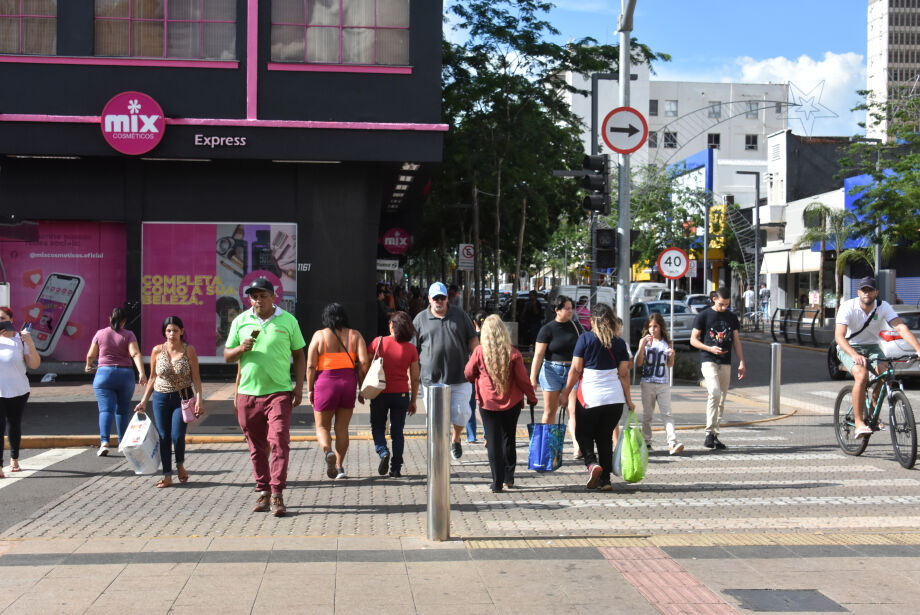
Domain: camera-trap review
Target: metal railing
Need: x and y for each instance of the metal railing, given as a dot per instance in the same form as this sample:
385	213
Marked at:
788	322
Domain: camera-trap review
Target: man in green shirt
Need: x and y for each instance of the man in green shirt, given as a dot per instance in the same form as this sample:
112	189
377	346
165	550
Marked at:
263	339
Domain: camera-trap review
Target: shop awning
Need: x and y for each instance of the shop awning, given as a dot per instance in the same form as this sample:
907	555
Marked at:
801	261
775	262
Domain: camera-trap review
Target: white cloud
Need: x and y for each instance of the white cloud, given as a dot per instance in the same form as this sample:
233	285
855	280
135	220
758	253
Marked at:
842	75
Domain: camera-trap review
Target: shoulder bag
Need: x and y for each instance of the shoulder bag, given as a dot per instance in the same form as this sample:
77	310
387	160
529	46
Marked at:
375	380
188	404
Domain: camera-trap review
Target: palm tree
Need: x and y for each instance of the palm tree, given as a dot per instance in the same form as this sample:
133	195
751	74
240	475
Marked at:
835	227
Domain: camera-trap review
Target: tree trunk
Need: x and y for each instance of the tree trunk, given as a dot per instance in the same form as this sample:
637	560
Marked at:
517	266
444	256
821	285
477	256
496	266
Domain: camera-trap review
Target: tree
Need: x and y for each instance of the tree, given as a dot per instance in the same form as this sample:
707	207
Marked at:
828	226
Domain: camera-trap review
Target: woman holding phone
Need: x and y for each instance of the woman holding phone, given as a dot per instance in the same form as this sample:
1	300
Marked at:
116	349
17	352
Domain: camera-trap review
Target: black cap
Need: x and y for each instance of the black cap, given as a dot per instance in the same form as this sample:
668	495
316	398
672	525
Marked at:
868	281
260	284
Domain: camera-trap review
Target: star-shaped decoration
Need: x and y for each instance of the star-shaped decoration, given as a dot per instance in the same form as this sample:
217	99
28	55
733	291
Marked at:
806	107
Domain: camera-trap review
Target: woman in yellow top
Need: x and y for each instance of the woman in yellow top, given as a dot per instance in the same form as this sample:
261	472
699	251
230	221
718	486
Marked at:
336	362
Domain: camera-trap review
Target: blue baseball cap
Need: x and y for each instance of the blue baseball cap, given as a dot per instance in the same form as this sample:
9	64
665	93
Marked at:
437	289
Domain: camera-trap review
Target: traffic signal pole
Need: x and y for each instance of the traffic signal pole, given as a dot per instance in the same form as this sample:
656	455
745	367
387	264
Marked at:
625	27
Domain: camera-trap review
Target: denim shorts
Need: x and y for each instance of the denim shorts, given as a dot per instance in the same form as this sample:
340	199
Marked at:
553	375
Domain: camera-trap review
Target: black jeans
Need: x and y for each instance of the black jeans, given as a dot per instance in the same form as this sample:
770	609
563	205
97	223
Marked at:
396	405
500	428
594	426
11	409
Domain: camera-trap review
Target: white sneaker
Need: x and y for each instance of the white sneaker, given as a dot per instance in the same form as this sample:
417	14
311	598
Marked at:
675	448
341	473
103	450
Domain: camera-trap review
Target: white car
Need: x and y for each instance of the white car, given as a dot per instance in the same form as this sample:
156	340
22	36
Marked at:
697	303
890	342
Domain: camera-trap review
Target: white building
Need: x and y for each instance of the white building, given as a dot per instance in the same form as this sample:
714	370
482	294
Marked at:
893	52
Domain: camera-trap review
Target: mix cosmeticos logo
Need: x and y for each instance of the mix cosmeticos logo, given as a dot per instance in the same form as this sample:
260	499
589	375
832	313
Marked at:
133	123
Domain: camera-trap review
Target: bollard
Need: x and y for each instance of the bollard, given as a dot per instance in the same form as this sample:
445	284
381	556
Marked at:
776	363
437	404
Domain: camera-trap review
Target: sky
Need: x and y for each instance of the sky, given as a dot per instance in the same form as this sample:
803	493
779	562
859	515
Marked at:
803	42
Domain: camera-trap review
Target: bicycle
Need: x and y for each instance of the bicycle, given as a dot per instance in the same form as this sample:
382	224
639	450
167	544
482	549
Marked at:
901	422
751	320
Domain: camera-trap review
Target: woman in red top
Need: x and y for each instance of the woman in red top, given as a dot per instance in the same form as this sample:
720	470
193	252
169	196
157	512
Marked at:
497	369
400	366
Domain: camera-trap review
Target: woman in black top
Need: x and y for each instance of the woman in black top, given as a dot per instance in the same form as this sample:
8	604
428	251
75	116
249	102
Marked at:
552	357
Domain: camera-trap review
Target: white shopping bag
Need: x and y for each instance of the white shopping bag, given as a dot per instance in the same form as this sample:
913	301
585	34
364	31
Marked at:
141	445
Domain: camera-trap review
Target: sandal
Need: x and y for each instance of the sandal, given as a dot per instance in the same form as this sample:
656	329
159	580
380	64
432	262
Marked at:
15	467
863	431
183	475
166	481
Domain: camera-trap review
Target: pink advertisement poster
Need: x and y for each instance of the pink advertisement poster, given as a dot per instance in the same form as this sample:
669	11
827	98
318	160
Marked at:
65	278
197	271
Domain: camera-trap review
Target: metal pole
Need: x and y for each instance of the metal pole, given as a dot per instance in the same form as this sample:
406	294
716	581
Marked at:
756	175
776	364
671	332
437	404
624	27
706	287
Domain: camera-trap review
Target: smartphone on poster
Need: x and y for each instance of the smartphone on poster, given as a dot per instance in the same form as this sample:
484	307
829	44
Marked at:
57	299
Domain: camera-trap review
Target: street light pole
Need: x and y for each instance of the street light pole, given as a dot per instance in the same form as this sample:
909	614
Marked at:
756	175
625	26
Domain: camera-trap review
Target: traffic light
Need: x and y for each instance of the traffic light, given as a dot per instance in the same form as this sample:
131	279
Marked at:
606	248
597	183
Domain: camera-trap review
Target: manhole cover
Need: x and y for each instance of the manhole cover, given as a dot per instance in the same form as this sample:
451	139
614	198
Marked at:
785	600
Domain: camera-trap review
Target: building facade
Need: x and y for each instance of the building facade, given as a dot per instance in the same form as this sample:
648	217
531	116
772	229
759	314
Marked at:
893	53
164	153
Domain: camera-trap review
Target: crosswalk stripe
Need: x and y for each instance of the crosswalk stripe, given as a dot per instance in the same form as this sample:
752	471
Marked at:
37	463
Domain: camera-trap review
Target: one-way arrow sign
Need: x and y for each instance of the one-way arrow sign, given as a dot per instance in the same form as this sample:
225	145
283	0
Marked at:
621	130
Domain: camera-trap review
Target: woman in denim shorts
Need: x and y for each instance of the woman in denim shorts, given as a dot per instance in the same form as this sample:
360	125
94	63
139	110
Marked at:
552	356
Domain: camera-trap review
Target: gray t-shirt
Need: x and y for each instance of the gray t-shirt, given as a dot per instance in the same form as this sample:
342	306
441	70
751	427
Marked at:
443	345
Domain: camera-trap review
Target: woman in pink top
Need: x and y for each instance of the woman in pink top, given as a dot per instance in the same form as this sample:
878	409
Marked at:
116	349
400	366
497	369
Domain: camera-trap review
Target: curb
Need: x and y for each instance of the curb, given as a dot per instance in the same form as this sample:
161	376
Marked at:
785	344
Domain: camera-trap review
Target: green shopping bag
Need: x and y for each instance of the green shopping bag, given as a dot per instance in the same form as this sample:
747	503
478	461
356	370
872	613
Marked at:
630	457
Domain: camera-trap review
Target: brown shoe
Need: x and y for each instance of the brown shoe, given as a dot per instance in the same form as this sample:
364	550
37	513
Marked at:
278	508
261	504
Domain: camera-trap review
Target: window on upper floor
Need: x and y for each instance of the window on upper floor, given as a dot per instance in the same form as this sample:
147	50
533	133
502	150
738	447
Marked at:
653	107
670	140
752	110
715	109
713	140
652	138
370	32
750	142
670	108
28	27
187	29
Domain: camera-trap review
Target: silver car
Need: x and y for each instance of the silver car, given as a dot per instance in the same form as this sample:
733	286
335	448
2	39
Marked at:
683	319
890	342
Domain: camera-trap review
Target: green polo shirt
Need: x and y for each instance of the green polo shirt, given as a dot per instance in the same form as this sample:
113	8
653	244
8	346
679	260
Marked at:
266	368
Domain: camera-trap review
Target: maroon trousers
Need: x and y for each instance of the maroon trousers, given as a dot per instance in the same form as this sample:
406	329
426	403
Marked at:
266	422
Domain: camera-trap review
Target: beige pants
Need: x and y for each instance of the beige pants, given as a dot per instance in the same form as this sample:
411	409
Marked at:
717	378
661	393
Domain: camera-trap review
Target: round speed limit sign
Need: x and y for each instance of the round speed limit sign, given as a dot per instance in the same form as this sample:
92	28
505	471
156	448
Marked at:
673	263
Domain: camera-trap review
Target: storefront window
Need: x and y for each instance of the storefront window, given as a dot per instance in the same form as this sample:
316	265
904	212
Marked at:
28	27
341	31
192	29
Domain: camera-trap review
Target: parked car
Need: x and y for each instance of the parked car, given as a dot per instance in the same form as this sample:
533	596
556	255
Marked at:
697	303
890	342
645	291
683	319
665	295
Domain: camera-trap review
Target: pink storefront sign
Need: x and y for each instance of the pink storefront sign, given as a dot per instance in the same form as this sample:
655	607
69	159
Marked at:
396	240
132	123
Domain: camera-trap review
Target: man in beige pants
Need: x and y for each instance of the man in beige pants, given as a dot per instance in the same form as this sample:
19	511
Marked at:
715	334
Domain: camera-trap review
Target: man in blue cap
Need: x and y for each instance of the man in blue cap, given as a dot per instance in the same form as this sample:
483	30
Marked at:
445	337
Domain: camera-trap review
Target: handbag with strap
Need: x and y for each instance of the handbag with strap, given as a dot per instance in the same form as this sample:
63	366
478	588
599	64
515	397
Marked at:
187	404
544	453
375	380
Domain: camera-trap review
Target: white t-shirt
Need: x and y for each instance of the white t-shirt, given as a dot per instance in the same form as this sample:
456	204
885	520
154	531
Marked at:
748	298
13	380
853	316
655	366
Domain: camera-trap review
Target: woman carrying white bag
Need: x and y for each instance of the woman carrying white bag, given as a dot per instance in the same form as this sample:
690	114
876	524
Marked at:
175	378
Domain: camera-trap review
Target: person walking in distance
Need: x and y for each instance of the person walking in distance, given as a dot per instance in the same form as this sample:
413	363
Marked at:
656	356
497	369
715	334
445	337
765	300
748	299
263	339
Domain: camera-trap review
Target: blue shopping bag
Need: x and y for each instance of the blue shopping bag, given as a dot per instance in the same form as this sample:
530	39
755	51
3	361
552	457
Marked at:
545	452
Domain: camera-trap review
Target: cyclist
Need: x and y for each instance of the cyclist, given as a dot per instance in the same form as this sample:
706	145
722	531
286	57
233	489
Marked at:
858	324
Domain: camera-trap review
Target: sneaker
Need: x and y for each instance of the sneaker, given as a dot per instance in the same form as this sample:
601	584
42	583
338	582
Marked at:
278	508
395	473
509	484
261	503
675	448
340	473
456	451
718	444
384	466
330	464
710	441
605	485
103	450
594	476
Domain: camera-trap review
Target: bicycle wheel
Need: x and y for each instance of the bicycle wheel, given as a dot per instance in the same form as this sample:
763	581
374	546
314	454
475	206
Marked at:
903	430
843	424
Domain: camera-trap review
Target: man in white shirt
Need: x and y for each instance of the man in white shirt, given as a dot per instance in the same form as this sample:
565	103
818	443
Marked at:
748	298
858	345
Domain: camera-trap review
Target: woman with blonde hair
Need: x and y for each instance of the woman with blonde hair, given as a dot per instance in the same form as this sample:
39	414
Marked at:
601	361
497	370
